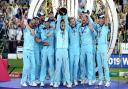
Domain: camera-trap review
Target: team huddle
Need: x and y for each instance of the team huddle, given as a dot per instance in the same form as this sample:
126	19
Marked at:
65	49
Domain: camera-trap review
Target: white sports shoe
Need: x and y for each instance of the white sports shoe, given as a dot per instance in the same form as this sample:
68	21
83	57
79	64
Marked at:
42	84
56	85
33	84
107	84
75	83
100	83
37	82
94	81
90	83
51	84
69	85
24	84
83	82
64	83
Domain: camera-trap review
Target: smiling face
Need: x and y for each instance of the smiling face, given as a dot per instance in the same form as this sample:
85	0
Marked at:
47	24
72	22
32	23
37	22
101	21
42	17
62	24
51	16
84	19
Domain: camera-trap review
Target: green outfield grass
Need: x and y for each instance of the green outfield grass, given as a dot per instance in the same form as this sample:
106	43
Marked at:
119	78
15	63
19	64
118	69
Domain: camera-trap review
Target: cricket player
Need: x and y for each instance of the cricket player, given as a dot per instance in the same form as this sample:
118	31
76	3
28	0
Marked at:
37	50
51	19
28	74
62	44
47	53
102	50
102	30
74	49
86	57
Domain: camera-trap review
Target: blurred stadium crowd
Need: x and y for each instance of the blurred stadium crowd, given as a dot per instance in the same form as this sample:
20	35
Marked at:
13	15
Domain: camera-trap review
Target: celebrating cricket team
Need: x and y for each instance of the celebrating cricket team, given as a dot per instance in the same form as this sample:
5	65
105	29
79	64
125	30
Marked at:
65	50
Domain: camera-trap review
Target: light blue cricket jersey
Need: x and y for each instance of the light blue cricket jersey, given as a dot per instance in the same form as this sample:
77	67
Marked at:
28	39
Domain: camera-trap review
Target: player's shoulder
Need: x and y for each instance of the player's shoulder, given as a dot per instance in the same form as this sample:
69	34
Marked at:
106	26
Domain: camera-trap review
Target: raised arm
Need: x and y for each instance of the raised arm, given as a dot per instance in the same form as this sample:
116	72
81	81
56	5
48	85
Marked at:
58	21
92	22
106	14
65	17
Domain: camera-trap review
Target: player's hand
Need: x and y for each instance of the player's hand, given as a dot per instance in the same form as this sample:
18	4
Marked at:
37	40
45	43
91	27
32	32
49	34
